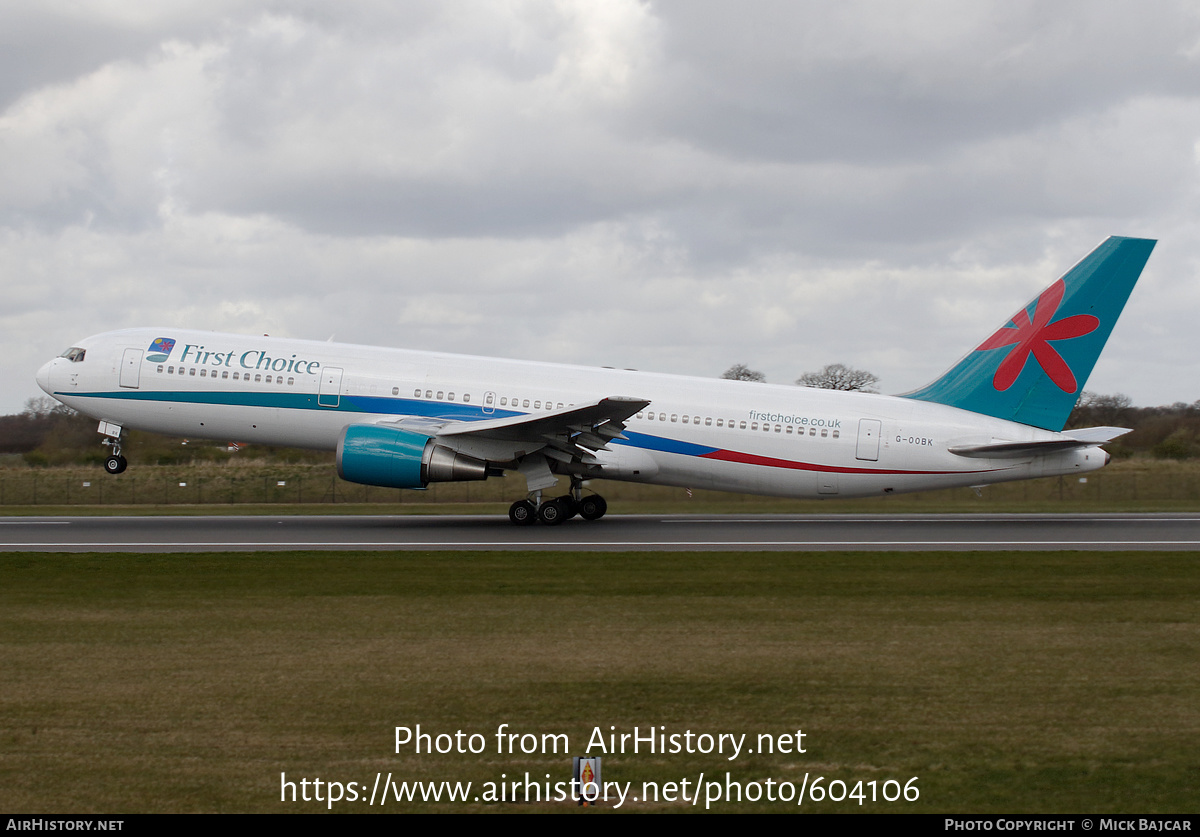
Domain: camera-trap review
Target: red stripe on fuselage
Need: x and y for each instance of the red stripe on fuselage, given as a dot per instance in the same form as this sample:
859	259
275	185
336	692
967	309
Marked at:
771	462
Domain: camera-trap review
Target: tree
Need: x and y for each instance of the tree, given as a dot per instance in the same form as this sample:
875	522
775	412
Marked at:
742	372
840	376
1094	408
43	407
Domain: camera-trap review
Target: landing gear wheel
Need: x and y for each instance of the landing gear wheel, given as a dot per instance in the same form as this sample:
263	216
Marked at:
592	507
552	512
570	507
115	464
522	513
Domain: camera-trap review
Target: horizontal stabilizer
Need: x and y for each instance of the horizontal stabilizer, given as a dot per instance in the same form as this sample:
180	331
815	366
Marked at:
1083	438
1097	435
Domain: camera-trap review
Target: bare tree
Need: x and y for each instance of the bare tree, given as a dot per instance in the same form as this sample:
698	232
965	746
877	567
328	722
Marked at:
840	376
742	372
43	406
1103	409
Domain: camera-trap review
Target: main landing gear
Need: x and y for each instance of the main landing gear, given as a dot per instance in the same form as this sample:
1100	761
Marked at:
553	512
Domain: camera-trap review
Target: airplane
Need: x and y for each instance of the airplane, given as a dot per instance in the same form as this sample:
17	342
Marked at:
405	419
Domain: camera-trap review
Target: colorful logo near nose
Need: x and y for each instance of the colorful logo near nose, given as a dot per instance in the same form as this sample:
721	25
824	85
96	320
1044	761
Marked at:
160	349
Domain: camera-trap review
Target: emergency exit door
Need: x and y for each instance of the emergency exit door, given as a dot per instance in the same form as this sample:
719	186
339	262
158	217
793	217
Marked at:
868	440
131	368
331	387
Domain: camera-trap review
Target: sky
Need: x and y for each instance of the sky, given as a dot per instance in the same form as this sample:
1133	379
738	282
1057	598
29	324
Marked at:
668	186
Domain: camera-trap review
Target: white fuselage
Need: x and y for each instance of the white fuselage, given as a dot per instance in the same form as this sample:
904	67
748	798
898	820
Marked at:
696	432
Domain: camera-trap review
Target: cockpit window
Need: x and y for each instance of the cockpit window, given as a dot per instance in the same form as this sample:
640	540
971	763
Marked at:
74	354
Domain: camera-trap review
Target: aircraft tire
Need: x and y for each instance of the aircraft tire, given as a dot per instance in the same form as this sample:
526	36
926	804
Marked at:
592	507
552	512
116	464
522	513
570	507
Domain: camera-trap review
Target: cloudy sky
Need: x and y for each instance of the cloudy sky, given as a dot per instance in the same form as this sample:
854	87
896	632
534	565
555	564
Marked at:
672	186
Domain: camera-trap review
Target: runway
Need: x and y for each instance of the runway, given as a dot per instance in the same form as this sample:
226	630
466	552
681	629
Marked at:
678	533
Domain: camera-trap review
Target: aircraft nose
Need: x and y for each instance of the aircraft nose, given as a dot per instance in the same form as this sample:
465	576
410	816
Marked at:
43	377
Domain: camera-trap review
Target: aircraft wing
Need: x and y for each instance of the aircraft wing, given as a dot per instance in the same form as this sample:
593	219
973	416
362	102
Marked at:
572	434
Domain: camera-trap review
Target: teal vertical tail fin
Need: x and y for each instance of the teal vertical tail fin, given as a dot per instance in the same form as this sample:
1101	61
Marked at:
1034	367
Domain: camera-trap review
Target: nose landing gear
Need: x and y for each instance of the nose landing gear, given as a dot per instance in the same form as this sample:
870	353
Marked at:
114	463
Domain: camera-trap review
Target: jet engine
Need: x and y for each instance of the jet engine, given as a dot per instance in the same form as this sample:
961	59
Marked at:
374	454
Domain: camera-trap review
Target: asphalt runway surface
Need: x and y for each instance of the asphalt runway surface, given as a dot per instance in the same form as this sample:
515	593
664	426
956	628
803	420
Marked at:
737	532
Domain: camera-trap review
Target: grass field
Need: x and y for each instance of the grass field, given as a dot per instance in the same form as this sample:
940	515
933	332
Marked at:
260	487
1005	682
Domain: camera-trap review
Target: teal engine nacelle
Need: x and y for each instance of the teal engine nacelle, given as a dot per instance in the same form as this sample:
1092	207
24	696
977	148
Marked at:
372	454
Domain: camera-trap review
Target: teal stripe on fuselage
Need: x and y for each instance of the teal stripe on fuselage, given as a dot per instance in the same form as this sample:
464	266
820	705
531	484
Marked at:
369	404
373	405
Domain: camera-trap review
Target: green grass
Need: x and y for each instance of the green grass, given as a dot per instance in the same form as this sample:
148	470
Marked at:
254	487
1007	682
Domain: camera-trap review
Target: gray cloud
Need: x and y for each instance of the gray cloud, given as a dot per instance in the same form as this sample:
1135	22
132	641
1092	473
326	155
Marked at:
672	186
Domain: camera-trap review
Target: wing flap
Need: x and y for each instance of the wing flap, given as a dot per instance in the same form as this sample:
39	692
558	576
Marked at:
572	434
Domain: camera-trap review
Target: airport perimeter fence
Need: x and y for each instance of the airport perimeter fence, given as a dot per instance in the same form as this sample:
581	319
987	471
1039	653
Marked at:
1136	482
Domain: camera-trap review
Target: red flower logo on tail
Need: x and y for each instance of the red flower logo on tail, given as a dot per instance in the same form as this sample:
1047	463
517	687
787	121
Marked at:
1033	337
